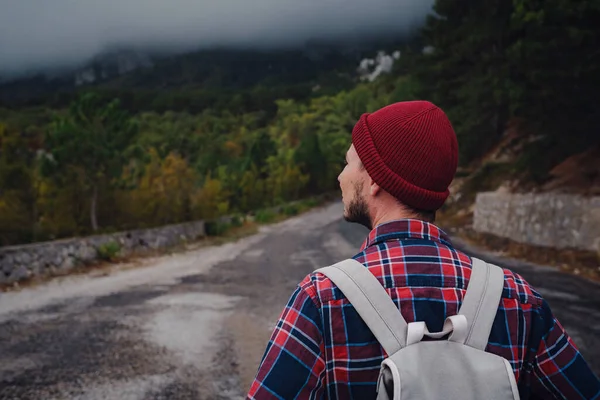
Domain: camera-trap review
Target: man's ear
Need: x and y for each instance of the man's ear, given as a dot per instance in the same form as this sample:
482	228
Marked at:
374	188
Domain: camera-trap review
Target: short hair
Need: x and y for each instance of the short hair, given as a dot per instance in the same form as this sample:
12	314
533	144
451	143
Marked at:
423	215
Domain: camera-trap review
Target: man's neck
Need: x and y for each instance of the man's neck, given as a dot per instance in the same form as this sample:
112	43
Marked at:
390	214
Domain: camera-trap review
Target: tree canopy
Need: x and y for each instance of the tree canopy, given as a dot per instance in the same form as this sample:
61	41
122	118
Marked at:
145	150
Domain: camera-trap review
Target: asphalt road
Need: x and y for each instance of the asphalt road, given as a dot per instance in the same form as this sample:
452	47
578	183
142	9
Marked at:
194	325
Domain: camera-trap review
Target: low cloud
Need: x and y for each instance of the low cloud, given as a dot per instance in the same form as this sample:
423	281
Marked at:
37	34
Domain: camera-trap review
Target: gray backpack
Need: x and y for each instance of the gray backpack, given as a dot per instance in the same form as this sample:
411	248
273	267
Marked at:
453	368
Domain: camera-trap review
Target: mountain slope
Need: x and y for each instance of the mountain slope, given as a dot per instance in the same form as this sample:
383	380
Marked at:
330	66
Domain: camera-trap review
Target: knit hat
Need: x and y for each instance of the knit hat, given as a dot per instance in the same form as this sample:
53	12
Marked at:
410	150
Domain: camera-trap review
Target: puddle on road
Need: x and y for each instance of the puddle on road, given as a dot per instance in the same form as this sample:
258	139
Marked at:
194	279
128	298
187	325
253	254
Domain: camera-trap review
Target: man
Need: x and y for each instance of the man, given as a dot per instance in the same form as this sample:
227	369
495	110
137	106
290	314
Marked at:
399	167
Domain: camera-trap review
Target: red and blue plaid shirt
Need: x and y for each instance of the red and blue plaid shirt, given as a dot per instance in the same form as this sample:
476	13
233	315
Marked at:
321	348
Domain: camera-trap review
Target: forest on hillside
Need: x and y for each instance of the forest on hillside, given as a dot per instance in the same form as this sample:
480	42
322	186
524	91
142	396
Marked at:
125	155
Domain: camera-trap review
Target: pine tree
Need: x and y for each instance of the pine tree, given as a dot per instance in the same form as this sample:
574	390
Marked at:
466	71
93	138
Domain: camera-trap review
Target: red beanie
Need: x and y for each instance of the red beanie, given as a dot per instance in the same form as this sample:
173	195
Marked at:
410	150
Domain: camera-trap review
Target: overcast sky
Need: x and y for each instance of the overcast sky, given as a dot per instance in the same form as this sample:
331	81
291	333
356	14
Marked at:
36	33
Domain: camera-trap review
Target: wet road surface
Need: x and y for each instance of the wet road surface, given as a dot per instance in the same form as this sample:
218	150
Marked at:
194	325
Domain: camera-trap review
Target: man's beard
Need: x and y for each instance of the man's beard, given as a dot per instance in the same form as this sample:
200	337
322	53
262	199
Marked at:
357	210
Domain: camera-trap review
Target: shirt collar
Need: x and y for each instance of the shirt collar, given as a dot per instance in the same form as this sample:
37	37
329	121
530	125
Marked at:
406	229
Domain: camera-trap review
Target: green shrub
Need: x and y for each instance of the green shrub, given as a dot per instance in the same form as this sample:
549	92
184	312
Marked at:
265	216
108	251
311	203
291	209
489	177
237	221
216	228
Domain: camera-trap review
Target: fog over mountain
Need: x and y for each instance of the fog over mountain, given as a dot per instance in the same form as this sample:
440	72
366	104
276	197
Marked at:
41	34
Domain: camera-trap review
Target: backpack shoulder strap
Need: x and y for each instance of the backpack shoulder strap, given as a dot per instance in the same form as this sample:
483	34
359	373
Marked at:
481	302
371	301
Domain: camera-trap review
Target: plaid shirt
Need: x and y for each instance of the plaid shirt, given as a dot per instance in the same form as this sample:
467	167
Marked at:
321	348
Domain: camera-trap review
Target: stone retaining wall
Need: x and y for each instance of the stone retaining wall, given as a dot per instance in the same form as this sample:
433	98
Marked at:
18	263
21	262
549	219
